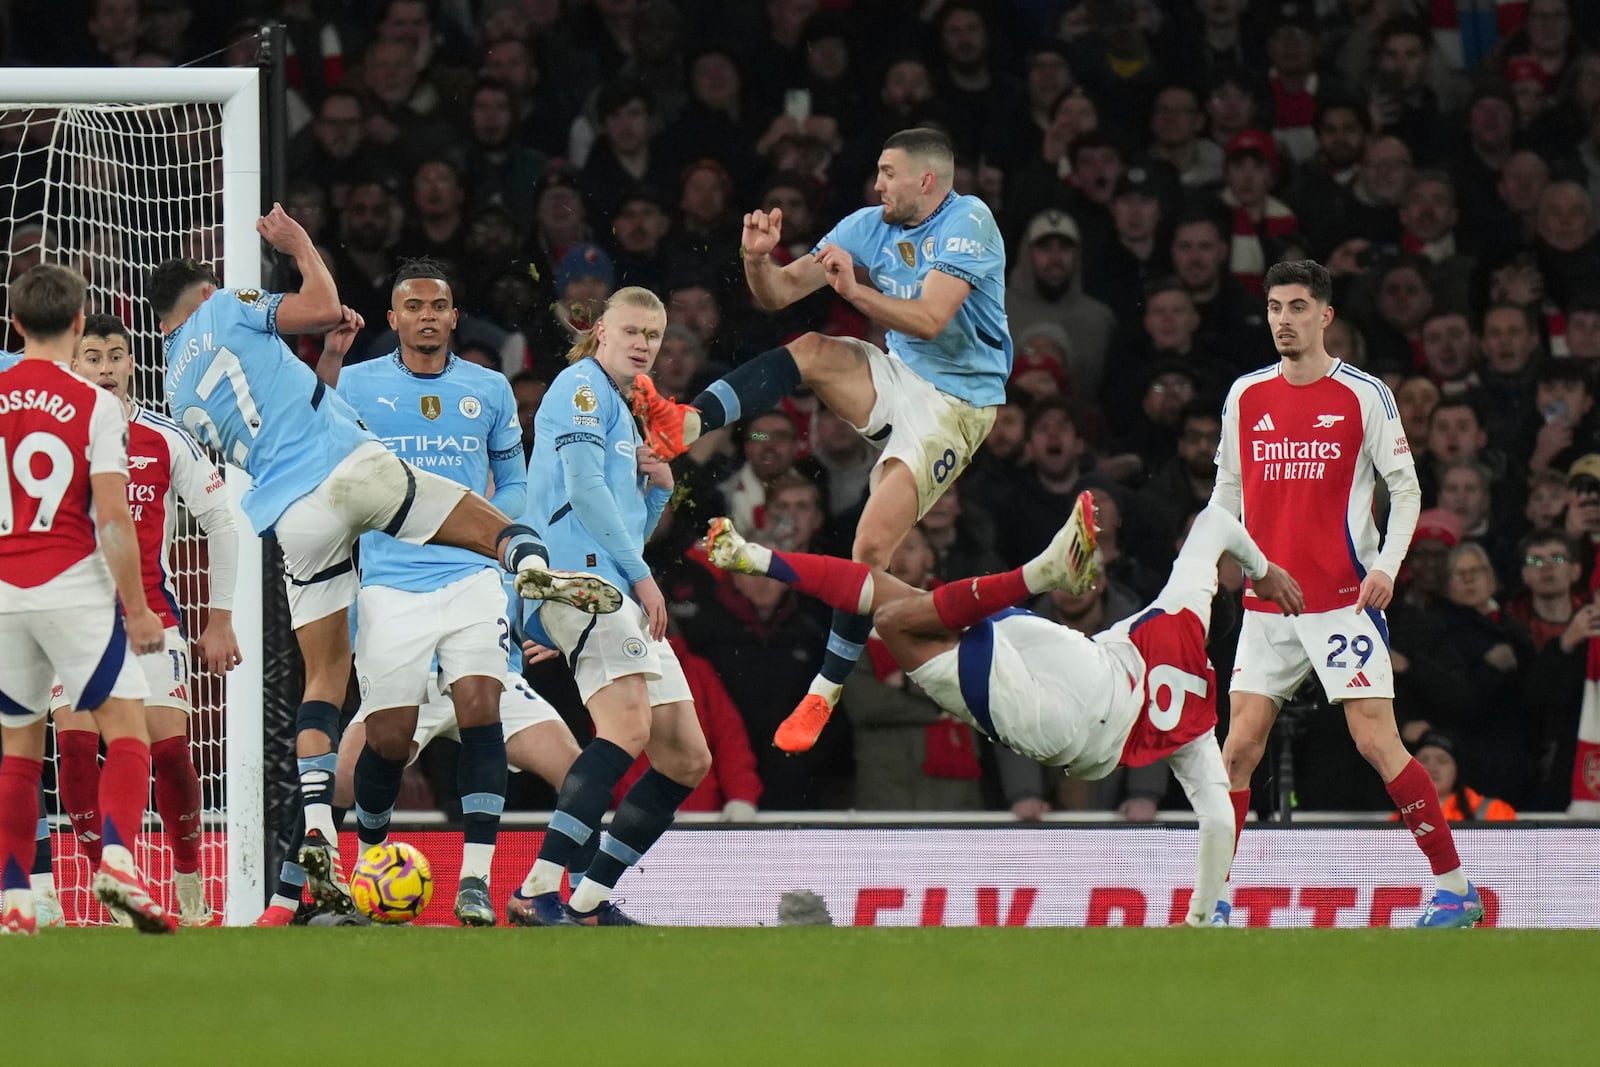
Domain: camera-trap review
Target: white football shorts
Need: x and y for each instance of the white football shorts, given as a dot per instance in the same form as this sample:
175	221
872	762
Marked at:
932	433
371	489
85	648
1349	652
602	648
400	631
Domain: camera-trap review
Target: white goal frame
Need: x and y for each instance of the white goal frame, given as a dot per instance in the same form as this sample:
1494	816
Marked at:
238	91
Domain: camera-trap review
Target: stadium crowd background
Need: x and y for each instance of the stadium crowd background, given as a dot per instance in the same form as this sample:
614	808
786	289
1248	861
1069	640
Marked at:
1147	159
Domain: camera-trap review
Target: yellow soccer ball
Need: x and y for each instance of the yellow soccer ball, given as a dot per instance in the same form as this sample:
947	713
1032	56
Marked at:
392	883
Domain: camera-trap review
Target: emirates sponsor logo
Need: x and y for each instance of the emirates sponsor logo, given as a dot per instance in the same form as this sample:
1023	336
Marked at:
1289	449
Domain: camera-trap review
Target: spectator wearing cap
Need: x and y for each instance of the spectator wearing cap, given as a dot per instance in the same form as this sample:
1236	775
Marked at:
627	153
1260	220
1045	286
1458	802
1046	341
1039	376
1177	128
639	233
499	168
1139	251
1294	81
1581	521
1545	38
584	279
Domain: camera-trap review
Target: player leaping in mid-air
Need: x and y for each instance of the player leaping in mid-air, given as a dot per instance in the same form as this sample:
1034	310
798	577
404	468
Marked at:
319	479
1140	691
935	269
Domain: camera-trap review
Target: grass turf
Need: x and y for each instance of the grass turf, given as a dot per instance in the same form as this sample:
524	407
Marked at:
815	996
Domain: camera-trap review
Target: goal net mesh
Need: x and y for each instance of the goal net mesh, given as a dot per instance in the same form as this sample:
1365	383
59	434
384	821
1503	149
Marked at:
112	190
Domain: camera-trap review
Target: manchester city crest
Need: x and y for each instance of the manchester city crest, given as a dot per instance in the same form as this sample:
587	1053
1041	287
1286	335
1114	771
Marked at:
470	407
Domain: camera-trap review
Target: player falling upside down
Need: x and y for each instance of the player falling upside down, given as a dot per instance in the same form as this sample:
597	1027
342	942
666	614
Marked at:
319	479
68	554
1140	691
599	493
165	468
935	269
1302	441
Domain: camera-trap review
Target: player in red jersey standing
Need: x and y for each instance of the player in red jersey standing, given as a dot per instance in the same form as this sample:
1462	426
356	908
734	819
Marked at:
63	481
1302	443
165	467
1141	691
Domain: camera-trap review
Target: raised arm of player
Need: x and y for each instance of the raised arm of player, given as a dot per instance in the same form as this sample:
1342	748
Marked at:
336	345
315	307
772	285
1199	769
201	488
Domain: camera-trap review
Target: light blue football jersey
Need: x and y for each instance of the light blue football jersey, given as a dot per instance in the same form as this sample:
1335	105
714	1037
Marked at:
603	532
971	357
235	386
460	423
9	360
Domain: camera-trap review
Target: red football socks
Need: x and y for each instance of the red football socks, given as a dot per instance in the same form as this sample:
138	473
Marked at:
79	782
178	801
124	789
969	601
1413	793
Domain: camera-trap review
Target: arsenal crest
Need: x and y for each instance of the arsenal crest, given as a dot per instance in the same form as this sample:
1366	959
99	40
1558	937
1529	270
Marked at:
431	407
908	253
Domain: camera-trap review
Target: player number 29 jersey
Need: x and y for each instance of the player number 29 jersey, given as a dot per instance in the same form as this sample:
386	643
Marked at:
971	356
1306	458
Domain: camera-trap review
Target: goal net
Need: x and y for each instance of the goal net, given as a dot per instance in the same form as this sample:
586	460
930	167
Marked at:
110	172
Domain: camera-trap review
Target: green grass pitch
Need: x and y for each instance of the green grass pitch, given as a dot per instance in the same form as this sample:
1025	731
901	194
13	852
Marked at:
407	997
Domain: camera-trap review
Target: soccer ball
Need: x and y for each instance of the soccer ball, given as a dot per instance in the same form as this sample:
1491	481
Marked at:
392	883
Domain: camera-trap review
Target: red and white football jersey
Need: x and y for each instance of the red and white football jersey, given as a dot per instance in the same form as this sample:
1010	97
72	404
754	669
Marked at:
165	467
1306	458
1179	698
56	429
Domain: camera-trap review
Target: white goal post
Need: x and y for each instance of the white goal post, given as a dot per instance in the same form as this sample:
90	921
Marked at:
118	148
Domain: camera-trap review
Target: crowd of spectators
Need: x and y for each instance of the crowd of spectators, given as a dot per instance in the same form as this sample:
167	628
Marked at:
1147	160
